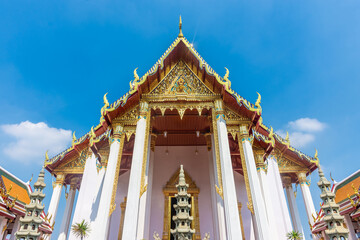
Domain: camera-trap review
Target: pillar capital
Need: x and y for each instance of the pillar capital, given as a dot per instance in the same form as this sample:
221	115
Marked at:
60	178
118	130
259	159
144	108
302	178
286	180
219	108
74	183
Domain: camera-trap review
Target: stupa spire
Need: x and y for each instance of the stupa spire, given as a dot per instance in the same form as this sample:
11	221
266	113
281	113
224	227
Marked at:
334	221
29	224
182	218
180	29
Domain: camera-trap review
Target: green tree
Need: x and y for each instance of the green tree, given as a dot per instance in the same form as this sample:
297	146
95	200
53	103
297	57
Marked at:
81	230
294	235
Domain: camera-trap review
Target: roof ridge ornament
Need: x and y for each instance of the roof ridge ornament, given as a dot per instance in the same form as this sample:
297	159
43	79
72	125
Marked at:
316	159
180	28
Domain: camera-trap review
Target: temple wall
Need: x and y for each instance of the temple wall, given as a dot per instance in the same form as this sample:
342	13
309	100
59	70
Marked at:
122	189
242	197
197	167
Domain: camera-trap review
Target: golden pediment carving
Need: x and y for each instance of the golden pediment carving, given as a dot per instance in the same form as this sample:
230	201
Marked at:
181	81
129	118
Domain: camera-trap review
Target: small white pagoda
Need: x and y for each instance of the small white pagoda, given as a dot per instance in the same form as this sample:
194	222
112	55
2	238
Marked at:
182	218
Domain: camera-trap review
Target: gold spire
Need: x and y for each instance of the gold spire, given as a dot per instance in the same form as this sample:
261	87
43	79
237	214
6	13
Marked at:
180	30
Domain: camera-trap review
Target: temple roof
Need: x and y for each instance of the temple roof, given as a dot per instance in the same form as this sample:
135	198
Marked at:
17	188
182	50
345	187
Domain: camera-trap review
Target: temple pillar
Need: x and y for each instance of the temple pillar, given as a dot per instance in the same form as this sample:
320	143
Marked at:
308	201
227	188
135	181
294	212
15	228
3	223
84	200
145	199
55	198
108	192
64	229
350	226
259	210
260	167
283	222
217	202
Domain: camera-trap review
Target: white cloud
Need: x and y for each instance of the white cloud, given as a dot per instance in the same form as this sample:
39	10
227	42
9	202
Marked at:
302	131
307	125
32	140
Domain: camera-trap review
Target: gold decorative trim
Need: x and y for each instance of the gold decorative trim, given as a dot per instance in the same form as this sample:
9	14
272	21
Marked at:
117	171
121	226
241	220
243	134
219	189
143	187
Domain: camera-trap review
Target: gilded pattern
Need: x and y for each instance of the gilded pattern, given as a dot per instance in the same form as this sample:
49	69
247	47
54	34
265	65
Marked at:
243	134
143	187
181	80
117	171
219	189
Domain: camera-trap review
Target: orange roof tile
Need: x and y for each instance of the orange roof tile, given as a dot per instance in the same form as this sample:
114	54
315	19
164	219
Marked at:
346	189
16	191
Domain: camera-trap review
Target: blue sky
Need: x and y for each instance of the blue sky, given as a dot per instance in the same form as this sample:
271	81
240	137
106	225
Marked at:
57	59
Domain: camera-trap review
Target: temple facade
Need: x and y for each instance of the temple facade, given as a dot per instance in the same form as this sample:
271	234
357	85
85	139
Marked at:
125	170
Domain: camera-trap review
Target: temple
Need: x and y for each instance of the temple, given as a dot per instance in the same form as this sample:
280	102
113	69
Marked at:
240	174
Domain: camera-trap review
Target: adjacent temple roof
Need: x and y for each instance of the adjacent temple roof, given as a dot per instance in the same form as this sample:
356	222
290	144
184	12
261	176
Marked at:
14	195
181	49
347	196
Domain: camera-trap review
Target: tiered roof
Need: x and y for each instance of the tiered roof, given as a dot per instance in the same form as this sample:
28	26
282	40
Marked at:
182	49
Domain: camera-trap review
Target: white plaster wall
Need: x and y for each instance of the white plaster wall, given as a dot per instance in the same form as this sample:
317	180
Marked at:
121	192
242	197
197	167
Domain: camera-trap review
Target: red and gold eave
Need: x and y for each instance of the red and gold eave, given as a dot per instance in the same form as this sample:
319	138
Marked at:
181	49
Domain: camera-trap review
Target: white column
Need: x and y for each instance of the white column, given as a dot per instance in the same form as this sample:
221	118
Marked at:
15	228
3	222
232	217
104	210
132	203
350	226
294	212
149	193
64	229
260	166
143	205
309	204
217	202
262	225
55	198
283	222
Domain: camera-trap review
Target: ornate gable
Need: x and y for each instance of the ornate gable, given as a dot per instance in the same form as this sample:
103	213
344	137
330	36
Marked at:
180	82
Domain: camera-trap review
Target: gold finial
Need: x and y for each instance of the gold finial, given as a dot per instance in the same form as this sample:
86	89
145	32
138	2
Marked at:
106	102
136	76
316	161
47	160
258	101
287	138
180	29
73	138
